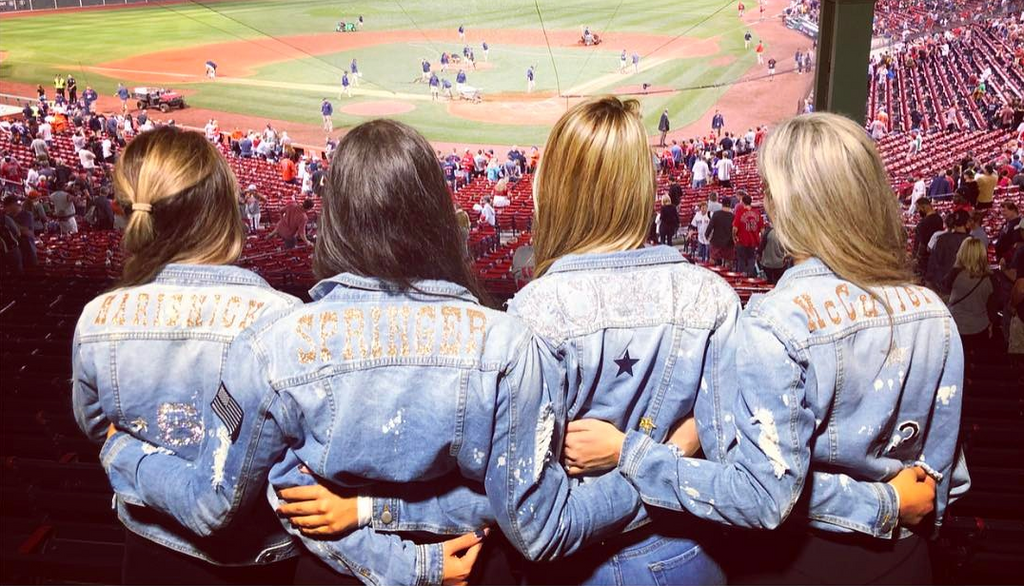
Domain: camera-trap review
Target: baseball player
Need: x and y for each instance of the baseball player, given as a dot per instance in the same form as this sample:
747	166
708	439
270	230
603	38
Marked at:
435	86
447	85
746	39
771	69
760	52
486	49
211	70
622	61
529	79
444	61
346	87
354	67
425	66
462	33
327	110
636	62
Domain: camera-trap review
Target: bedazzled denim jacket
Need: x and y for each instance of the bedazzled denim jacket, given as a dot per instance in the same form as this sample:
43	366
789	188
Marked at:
369	385
149	360
646	338
826	382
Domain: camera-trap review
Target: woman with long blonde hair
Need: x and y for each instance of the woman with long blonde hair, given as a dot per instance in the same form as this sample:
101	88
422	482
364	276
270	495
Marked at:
970	289
847	374
148	355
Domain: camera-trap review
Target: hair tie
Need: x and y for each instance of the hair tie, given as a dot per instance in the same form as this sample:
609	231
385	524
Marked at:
142	207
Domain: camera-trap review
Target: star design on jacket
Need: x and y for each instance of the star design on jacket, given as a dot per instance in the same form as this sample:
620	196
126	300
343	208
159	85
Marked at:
625	364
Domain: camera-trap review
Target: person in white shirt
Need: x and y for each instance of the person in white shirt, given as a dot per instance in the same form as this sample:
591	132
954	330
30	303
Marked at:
87	159
919	191
701	172
32	178
725	169
700	221
211	130
46	132
487	215
108	149
64	211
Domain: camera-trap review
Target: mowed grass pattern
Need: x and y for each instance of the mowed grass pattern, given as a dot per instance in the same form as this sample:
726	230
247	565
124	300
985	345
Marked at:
38	45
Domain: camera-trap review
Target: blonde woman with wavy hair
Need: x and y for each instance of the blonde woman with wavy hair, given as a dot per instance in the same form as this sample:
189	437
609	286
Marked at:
148	356
970	289
842	382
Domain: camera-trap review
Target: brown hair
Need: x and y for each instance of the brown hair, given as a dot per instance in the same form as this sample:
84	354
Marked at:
182	201
387	212
594	189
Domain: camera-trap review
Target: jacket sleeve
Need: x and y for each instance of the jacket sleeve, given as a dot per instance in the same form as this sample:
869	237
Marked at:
85	397
941	454
840	504
421	507
542	513
760	479
235	455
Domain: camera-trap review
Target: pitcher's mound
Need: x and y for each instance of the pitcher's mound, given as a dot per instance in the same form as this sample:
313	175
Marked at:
382	108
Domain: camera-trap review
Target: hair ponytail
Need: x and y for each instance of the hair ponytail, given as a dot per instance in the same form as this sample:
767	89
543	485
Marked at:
180	195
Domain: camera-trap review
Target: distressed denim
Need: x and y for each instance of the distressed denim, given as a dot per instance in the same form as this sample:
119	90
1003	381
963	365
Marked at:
370	386
149	359
646	339
826	382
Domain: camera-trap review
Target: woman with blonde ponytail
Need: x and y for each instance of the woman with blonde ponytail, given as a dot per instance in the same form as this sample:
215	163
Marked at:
148	355
847	375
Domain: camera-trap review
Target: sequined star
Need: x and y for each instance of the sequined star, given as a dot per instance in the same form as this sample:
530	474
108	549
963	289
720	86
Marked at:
625	364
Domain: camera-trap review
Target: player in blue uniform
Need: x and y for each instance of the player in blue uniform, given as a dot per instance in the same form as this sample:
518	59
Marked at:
529	79
327	110
435	86
354	68
486	49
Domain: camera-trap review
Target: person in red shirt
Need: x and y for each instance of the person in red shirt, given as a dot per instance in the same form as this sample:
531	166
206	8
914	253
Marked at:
292	225
10	170
289	172
746	231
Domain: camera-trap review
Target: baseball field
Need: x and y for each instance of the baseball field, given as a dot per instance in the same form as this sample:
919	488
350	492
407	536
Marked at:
278	59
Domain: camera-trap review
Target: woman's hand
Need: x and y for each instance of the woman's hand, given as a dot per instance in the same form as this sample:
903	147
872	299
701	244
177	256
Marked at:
459	556
917	494
318	512
592	445
684	436
111	431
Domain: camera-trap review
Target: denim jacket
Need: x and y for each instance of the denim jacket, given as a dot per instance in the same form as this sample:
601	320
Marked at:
828	383
647	338
149	359
370	385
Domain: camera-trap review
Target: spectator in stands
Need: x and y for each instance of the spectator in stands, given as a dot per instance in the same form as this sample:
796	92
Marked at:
15	210
746	230
184	303
701	220
846	174
986	184
87	158
668	215
1008	236
700	173
943	256
289	171
10	237
39	148
970	287
252	208
64	210
917	193
969	188
929	224
292	226
724	169
773	257
103	211
720	236
976	228
941	185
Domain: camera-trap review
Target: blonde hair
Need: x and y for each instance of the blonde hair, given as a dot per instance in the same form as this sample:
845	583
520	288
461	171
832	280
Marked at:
973	258
594	190
183	203
828	196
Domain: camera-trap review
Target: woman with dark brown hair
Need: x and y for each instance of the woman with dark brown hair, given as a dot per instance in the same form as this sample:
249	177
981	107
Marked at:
395	375
148	355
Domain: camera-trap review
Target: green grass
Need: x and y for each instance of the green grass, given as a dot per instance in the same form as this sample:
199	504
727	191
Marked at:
37	45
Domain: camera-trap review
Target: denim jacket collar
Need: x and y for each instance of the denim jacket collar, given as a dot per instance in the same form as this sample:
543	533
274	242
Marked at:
427	286
194	274
812	267
654	255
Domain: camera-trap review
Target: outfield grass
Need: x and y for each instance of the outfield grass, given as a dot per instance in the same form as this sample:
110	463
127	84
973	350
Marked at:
35	46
